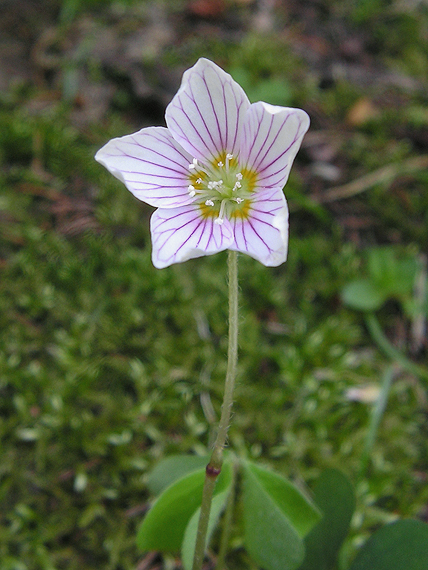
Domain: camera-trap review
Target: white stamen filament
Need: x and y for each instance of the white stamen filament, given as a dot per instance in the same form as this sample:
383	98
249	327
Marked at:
224	194
220	219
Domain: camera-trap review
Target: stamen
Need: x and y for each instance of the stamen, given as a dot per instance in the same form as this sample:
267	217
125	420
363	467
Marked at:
207	187
220	219
214	184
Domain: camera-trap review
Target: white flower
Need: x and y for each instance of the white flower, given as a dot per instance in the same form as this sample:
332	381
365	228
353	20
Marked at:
216	173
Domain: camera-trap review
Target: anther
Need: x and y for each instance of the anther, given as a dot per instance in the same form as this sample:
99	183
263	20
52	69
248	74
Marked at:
220	164
239	176
209	203
214	184
194	164
239	200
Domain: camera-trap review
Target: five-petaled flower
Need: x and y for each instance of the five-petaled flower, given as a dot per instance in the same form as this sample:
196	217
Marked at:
216	173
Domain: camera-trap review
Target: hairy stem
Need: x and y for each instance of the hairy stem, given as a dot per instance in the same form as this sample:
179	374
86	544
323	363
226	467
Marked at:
214	466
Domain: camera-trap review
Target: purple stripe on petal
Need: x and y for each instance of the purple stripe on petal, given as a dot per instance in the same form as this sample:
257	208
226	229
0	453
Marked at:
206	115
264	234
148	161
271	138
182	233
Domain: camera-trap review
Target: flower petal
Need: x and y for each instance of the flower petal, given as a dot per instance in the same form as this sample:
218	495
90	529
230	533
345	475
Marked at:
151	164
183	233
271	138
264	233
207	113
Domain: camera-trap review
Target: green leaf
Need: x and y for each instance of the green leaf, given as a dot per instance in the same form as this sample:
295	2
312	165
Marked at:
173	468
335	497
363	295
164	525
301	512
276	517
381	265
392	272
217	506
402	545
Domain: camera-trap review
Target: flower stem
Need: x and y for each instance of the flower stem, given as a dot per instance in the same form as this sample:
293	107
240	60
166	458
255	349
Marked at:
214	466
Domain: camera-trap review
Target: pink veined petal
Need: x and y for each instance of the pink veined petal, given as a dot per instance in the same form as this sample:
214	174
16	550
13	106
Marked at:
264	234
207	113
151	164
271	138
182	233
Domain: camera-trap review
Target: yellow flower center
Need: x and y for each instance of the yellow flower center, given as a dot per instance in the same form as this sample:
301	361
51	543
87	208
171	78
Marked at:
222	188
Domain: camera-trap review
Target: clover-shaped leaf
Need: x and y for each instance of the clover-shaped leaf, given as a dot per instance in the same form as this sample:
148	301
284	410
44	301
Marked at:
276	516
335	497
164	526
402	545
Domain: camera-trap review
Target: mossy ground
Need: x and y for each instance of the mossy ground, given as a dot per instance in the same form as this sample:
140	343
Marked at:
103	358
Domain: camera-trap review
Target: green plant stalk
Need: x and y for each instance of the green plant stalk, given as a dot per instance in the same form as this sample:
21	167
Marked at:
376	416
214	466
390	351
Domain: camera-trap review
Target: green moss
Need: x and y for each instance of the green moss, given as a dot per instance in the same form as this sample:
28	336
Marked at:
103	358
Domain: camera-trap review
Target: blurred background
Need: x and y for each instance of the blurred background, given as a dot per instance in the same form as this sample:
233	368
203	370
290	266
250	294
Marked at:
107	364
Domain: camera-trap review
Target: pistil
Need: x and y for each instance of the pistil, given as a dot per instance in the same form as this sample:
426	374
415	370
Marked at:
220	185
